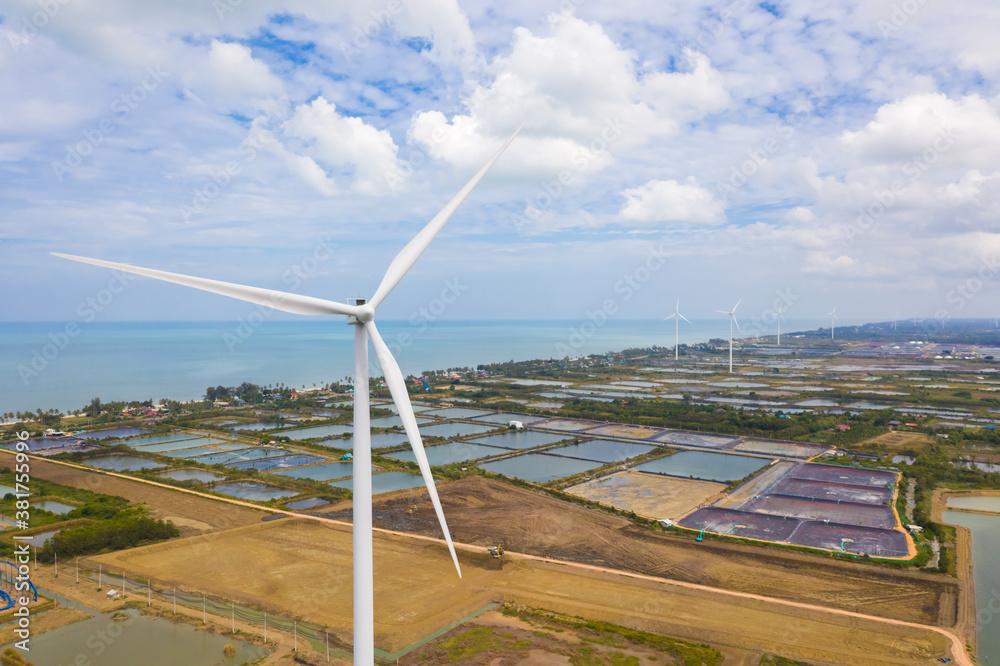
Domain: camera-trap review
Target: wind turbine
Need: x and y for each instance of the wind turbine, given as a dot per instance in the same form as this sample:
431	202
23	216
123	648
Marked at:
732	319
778	344
360	314
833	318
677	316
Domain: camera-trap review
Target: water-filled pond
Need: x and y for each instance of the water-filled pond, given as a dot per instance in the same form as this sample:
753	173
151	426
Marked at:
454	429
504	418
252	490
450	452
324	472
705	465
183	444
538	467
114	432
520	439
981	503
985	574
386	482
52	506
127	642
602	450
457	413
306	503
394	422
159	439
202	475
318	431
122	463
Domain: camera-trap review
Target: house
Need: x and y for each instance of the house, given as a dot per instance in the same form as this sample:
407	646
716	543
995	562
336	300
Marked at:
516	425
843	427
113	594
893	424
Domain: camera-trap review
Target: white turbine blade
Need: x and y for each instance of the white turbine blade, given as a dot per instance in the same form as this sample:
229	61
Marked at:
671	316
397	387
736	322
727	312
279	300
409	254
737	304
683	317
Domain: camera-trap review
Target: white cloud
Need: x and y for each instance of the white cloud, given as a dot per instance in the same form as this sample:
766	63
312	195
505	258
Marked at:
325	147
667	201
233	72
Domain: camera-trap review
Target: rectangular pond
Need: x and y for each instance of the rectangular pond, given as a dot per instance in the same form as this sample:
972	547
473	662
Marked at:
122	463
386	482
985	574
306	503
202	475
520	439
457	413
159	439
378	439
705	465
454	429
602	450
539	468
114	432
318	431
176	446
252	490
980	503
394	422
503	418
268	464
324	472
451	452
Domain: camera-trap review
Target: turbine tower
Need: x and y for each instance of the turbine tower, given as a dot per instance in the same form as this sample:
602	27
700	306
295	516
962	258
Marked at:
833	318
361	314
778	344
732	319
677	316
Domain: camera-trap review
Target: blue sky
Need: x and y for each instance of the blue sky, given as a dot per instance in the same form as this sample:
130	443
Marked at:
810	154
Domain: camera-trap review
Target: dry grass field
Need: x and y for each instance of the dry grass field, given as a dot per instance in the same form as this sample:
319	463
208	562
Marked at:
302	567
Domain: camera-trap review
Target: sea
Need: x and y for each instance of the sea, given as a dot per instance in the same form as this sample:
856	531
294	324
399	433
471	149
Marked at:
63	366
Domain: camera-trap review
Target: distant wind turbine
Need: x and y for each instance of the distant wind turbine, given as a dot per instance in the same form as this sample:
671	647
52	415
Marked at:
677	316
361	314
732	320
833	318
779	326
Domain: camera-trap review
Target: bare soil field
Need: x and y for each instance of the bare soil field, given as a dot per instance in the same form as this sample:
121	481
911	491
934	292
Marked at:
484	512
648	495
303	566
191	514
625	431
901	439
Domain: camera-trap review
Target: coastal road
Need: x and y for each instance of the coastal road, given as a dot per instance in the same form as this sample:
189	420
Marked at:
959	654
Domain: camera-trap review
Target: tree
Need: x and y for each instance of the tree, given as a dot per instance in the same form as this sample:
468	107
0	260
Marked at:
93	410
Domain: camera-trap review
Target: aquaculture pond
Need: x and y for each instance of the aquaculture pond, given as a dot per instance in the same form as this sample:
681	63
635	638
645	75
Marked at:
122	463
457	413
324	472
454	429
602	450
705	465
393	422
114	432
318	431
980	503
539	468
159	439
306	503
520	439
182	444
450	452
252	490
985	574
386	482
52	506
202	475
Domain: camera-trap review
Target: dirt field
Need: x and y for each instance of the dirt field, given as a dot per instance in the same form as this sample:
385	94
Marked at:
901	439
305	566
481	511
649	495
191	514
629	432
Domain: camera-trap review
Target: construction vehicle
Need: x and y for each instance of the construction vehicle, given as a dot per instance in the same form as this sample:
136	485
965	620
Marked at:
701	534
495	551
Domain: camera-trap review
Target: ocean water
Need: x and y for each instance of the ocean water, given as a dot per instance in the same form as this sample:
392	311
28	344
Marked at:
63	366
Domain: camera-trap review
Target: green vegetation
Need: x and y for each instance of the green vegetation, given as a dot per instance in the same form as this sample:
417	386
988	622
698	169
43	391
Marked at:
775	660
128	529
